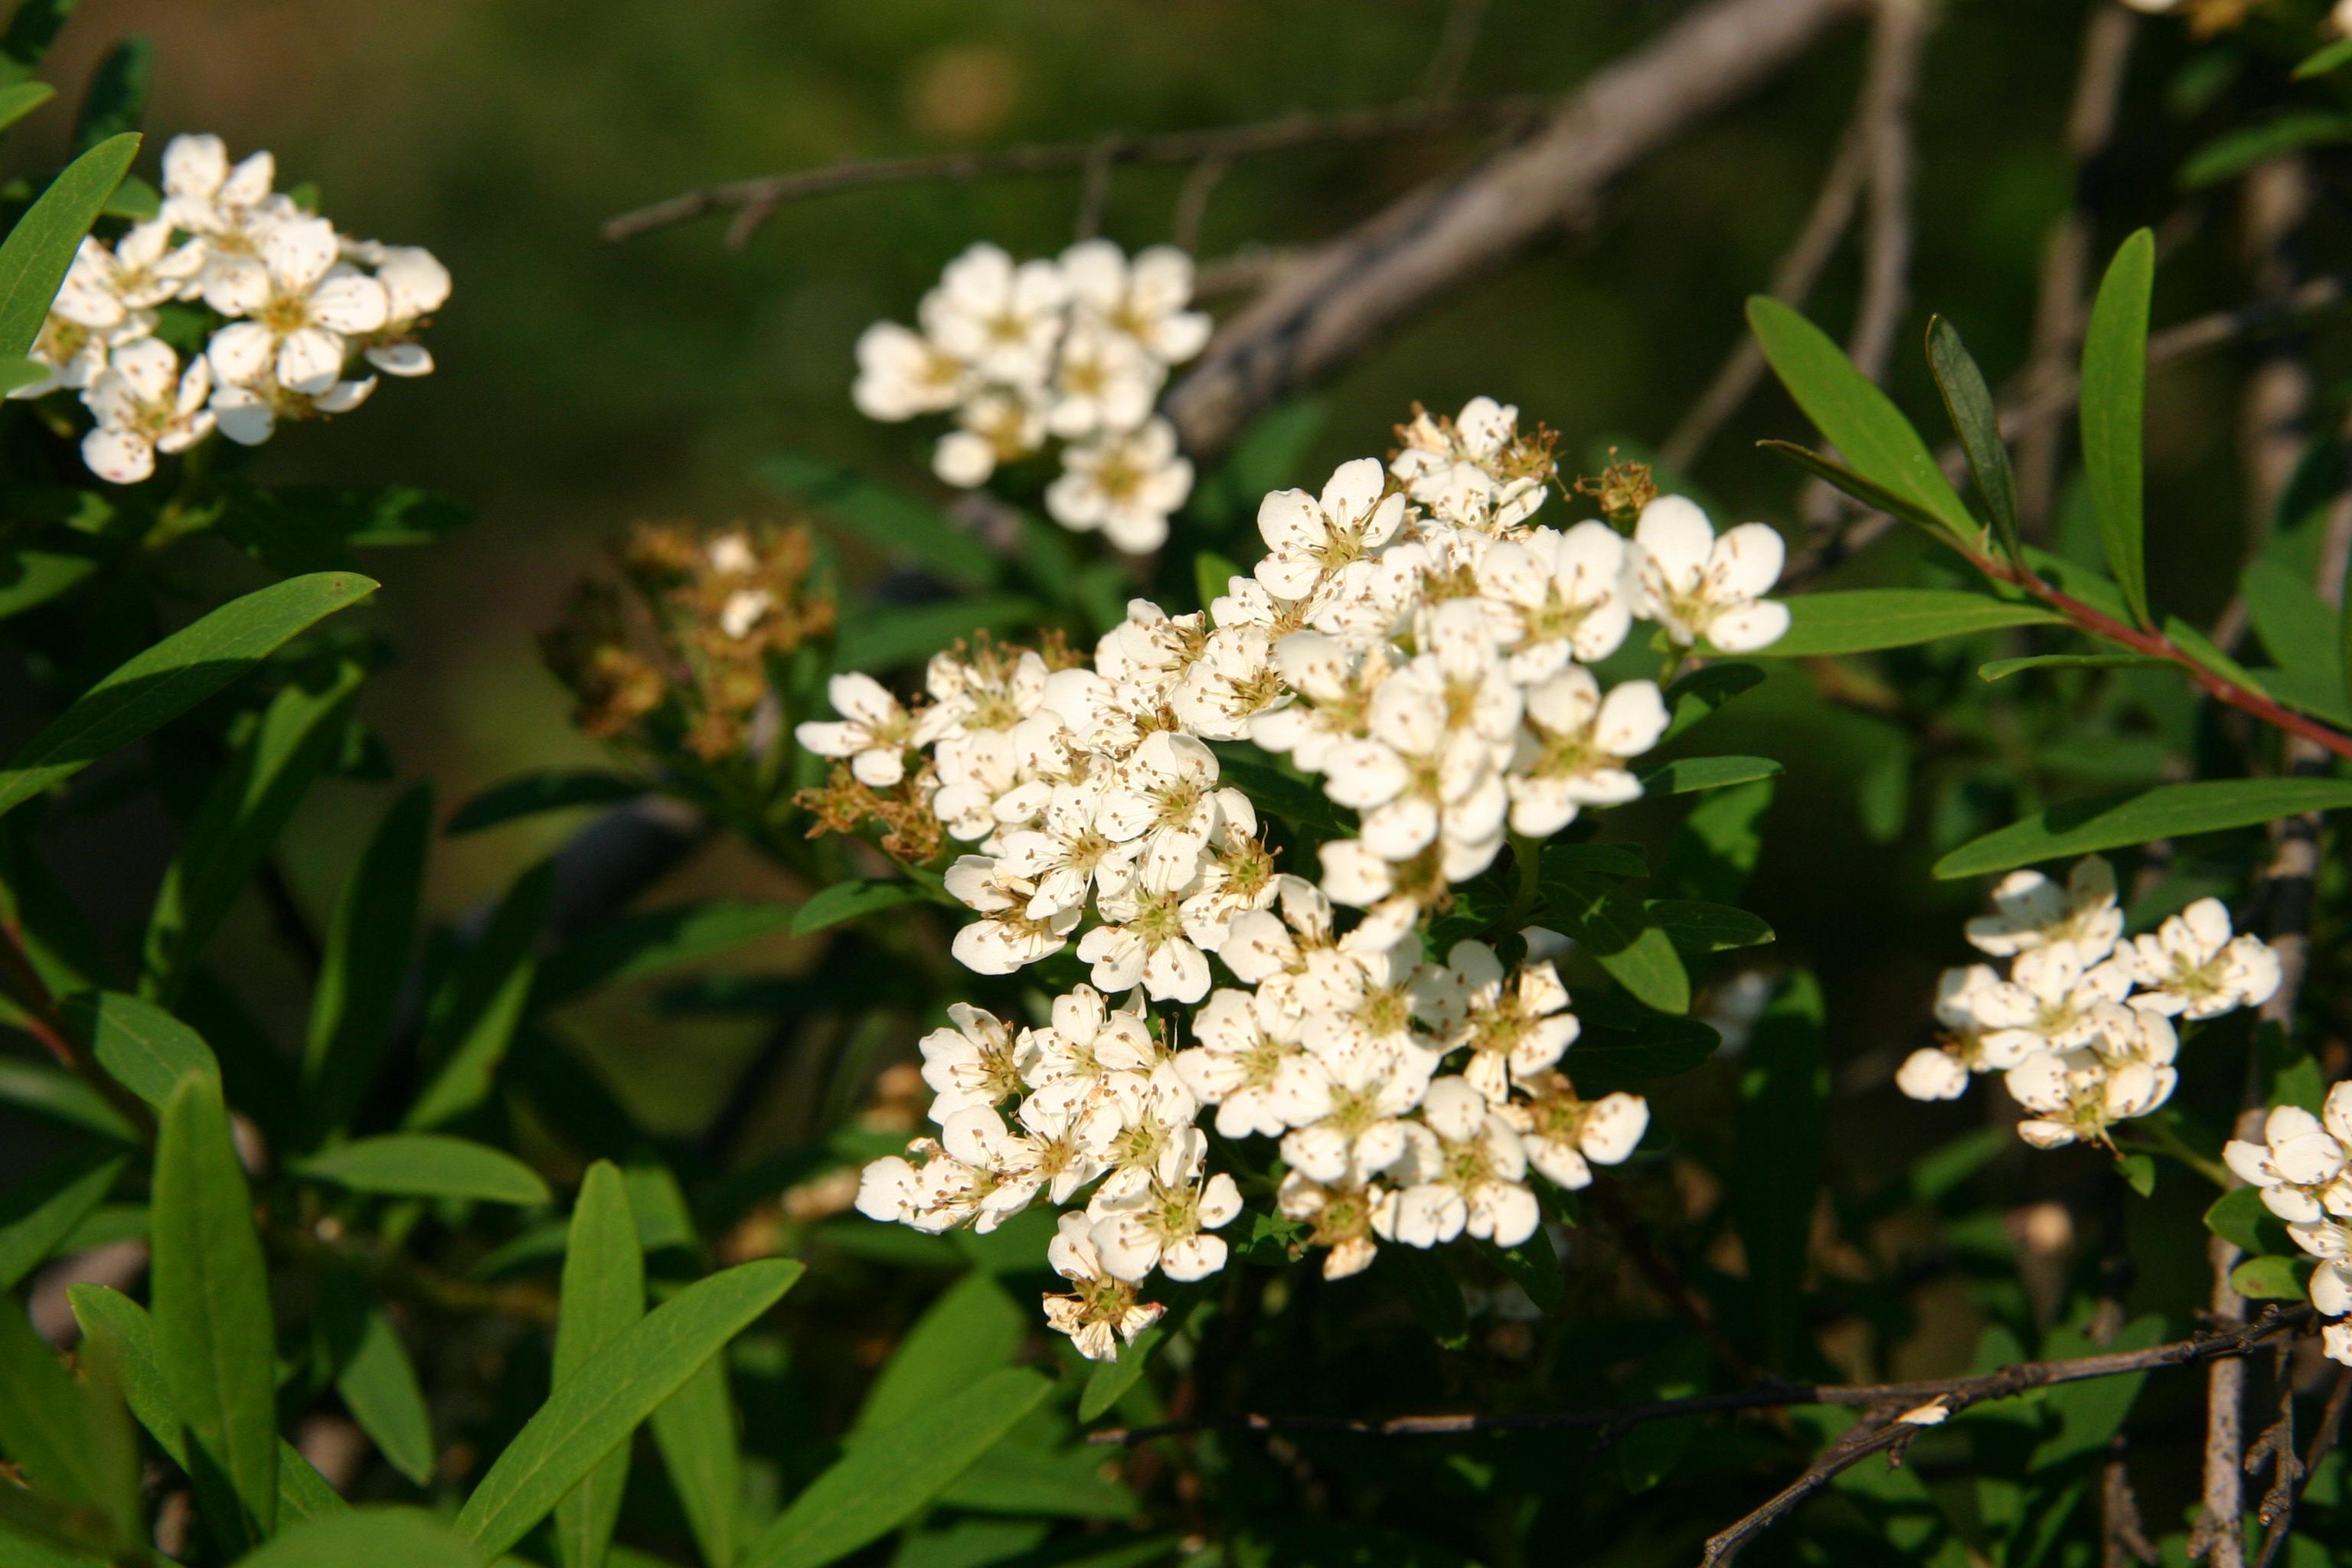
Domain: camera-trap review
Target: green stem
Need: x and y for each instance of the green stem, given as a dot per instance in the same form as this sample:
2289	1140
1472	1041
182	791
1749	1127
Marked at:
2157	1137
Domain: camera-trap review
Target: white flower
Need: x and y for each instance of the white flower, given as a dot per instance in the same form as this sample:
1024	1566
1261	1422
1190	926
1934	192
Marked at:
1002	319
303	303
1573	751
248	416
1460	468
1928	1073
233	208
1309	536
1251	1066
971	1063
1336	685
1941	1071
1462	1171
1150	1226
901	373
1067	855
1000	426
142	270
1143	300
1091	1058
1514	1027
2193	965
1102	382
1562	595
2030	910
2051	1000
2300	1163
2079	1094
1342	1214
1009	938
873	731
145	404
1233	680
1103	1311
1124	483
1144	941
1167	796
1566	1136
415	285
1372	1088
1697	585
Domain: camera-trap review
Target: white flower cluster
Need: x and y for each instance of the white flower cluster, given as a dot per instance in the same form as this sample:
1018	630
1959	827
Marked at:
1075	350
2082	1026
1416	642
304	316
2303	1167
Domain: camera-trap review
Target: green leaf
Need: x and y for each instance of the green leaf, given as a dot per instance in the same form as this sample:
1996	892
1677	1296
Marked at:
39	1210
2333	57
247	806
212	1331
1108	1383
2115	396
427	1165
1871	494
1859	419
174	676
2090	1412
1013	1479
369	1537
365	962
473	1020
1618	932
1715	846
1686	775
2142	817
2240	1217
1614	858
116	99
68	1437
2138	1171
1699	928
2301	629
315	528
1430	1287
32	28
19	99
121	1328
882	519
1862	620
2232	153
1606	1058
548	789
2003	668
2272	1278
879	1485
375	1378
853	900
1969	402
1699	695
41	246
602	1295
695	1432
887	639
971	1331
1783	1097
609	1394
652	941
144	1048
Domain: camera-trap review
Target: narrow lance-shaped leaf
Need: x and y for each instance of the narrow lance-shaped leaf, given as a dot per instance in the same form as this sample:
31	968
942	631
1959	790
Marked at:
2142	817
2115	397
596	1410
367	950
695	1430
142	1047
375	1378
39	1210
1859	419
69	1438
473	1021
1864	620
1968	400
881	1484
603	1292
213	1329
427	1165
370	1538
174	676
41	246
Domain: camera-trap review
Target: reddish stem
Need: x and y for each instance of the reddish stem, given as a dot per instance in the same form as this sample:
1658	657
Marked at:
2156	645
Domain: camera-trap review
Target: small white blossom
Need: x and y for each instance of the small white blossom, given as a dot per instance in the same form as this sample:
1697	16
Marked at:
2030	910
2193	965
1125	483
1698	586
145	404
873	731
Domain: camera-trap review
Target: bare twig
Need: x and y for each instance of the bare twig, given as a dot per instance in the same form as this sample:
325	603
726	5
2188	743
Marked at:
2331	1425
1956	1392
1193	203
1094	194
1350	291
2066	255
754	201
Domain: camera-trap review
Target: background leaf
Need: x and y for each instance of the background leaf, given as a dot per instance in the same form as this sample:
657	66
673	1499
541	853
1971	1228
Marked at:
427	1165
2142	817
603	1294
1783	1094
2115	397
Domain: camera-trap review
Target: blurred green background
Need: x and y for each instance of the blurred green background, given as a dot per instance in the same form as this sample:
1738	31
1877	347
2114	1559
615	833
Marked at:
583	385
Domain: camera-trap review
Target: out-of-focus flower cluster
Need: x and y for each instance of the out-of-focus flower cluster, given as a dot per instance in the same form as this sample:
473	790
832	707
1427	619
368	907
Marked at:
1074	350
2082	1028
680	658
297	319
1416	642
2207	17
2303	1168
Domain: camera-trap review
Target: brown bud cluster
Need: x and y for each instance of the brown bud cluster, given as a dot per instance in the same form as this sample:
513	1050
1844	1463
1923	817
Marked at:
1620	491
681	657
